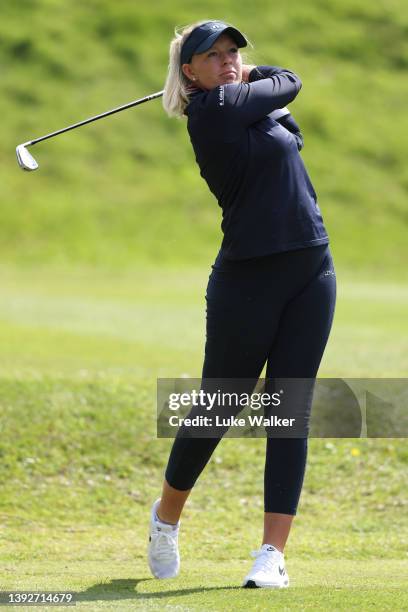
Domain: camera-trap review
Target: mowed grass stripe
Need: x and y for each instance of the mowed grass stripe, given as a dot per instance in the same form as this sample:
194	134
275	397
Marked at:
315	585
158	322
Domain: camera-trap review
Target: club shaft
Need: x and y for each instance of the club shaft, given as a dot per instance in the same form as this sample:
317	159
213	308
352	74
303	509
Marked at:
96	117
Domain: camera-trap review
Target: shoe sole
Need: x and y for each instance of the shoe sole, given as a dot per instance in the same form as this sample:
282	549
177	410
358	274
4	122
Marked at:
251	584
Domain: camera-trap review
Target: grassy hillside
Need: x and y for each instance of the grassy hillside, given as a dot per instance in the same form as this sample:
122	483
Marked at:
127	188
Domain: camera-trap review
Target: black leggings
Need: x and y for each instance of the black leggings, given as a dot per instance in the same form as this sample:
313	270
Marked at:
277	310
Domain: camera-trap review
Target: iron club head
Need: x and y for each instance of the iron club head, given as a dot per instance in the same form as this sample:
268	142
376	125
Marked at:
25	160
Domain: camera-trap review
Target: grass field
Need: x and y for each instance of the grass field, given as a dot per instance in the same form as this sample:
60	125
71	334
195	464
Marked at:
80	466
105	255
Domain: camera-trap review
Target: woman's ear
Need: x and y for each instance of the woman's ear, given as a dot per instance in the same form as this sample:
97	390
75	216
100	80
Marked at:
186	68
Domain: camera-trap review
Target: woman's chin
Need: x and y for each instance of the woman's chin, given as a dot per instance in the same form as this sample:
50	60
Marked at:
230	78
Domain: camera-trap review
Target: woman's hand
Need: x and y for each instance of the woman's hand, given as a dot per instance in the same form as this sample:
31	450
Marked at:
246	69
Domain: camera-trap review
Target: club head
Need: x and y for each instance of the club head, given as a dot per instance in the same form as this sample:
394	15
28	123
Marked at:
25	160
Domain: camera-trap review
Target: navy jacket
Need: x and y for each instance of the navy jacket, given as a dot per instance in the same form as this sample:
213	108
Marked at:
249	156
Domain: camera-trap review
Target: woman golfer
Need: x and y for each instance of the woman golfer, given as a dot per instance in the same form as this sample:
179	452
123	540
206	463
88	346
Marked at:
272	291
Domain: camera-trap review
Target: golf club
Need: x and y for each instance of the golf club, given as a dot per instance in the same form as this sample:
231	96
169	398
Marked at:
27	162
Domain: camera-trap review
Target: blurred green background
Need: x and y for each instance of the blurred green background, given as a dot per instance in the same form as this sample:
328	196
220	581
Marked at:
127	189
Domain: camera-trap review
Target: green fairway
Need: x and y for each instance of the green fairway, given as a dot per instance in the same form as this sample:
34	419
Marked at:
82	349
149	321
206	585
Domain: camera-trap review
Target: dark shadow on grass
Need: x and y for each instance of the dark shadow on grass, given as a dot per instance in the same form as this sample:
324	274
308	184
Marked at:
127	589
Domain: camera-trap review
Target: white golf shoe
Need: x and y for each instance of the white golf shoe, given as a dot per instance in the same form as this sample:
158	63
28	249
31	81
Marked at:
268	570
163	554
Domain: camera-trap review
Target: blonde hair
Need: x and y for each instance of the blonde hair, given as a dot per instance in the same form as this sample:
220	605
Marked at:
178	86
